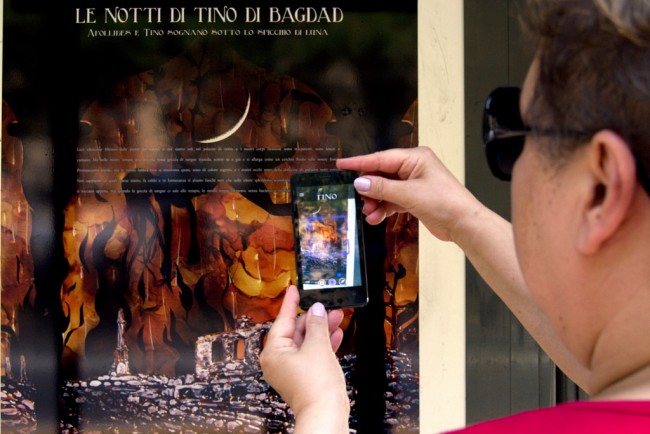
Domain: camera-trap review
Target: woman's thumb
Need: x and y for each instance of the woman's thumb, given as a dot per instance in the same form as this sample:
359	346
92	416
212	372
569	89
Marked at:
380	188
316	328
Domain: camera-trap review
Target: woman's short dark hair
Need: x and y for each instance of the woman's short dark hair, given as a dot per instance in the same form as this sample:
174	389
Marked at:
594	60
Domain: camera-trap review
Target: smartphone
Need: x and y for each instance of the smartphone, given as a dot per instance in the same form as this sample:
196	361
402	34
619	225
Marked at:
328	239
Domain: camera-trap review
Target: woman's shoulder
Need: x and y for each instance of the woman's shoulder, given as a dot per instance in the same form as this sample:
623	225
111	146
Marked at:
591	417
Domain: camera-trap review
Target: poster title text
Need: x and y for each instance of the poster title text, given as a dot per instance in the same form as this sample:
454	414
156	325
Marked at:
223	14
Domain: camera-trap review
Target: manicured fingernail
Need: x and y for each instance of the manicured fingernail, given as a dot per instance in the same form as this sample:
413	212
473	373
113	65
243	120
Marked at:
362	184
318	309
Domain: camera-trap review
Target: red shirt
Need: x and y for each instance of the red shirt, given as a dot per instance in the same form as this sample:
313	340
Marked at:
592	417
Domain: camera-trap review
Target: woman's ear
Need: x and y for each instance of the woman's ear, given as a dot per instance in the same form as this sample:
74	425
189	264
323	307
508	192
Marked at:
612	171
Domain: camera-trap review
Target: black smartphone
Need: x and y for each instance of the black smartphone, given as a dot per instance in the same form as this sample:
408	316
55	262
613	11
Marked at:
328	239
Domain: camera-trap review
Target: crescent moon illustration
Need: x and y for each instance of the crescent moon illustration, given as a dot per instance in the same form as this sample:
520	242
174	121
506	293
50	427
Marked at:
232	130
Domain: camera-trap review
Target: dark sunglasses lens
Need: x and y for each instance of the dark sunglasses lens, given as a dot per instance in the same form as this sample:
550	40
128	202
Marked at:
500	119
502	154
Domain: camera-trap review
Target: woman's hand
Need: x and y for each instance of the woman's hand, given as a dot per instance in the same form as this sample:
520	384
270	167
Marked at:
299	362
411	180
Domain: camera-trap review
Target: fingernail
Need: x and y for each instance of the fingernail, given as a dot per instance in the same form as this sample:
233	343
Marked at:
362	184
318	309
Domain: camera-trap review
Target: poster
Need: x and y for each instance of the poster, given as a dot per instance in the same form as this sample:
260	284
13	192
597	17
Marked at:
146	232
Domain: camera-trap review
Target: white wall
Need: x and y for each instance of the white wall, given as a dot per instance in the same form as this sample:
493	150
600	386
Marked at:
442	265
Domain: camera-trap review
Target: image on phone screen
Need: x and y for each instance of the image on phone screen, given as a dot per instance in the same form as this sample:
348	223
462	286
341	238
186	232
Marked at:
329	246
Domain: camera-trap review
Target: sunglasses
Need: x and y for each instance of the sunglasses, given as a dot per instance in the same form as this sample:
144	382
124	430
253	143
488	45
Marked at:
504	132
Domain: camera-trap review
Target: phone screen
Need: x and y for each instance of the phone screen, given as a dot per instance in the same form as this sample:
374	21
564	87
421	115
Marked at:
328	241
329	238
